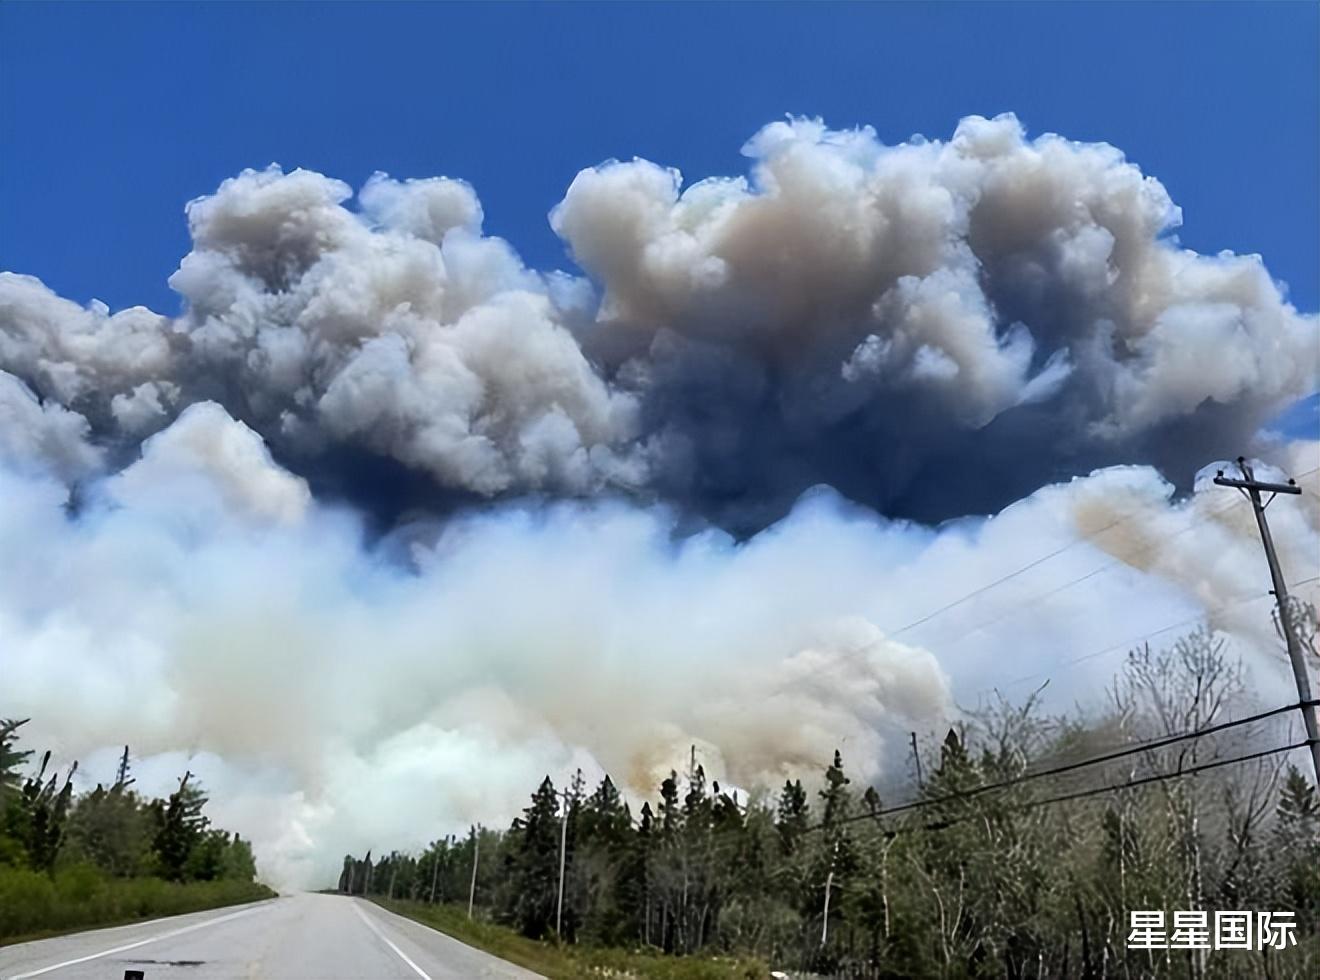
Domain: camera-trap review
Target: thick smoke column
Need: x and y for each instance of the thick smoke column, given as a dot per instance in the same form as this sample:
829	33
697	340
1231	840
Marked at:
385	523
879	319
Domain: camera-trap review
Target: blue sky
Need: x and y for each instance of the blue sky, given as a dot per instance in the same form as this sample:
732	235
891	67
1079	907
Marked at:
114	116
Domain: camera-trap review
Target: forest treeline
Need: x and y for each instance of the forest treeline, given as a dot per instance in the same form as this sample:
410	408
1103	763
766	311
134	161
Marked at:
69	860
827	879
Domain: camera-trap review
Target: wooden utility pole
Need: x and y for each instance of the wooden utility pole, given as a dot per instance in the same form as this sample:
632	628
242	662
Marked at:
476	852
435	869
563	855
916	757
829	883
1252	488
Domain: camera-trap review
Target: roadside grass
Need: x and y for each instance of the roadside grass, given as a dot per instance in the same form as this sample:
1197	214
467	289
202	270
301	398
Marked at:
573	962
37	906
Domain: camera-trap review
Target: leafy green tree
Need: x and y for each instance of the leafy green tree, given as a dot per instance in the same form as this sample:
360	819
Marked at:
111	829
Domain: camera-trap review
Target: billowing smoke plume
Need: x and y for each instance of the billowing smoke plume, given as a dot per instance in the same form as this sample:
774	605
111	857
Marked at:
387	524
885	320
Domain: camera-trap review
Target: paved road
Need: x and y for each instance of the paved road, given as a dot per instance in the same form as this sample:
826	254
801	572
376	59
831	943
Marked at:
301	937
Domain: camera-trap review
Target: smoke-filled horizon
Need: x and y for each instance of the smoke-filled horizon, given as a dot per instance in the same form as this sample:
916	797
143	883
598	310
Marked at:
384	515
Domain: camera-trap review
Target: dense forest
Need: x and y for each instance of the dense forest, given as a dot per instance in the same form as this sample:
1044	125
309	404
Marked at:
70	860
987	862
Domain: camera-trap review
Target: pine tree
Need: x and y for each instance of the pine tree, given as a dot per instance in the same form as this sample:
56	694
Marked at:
1297	844
835	796
12	759
36	819
535	870
641	876
667	866
180	826
600	862
791	816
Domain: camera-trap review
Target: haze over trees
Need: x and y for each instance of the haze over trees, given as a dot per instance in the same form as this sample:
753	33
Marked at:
964	883
70	860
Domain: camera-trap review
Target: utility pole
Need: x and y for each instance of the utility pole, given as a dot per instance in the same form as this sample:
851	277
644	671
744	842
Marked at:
916	757
435	869
476	853
563	855
1251	488
829	883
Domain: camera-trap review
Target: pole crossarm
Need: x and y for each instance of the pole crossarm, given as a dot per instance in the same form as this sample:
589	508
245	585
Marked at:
1228	481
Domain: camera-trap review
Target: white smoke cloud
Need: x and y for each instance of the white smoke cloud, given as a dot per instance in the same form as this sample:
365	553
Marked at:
43	437
403	331
330	695
207	465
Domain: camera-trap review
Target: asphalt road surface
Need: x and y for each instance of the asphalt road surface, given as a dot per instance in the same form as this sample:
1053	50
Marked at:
300	937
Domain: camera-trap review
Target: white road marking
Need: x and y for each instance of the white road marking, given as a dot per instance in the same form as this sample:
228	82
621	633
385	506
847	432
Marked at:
381	936
140	942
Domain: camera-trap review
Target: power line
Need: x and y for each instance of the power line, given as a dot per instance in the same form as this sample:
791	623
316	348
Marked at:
1196	520
1108	566
1151	746
1114	563
1161	777
1011	575
1079	794
1133	641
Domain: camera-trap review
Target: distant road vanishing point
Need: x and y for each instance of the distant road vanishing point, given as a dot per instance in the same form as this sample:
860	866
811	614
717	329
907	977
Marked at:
300	937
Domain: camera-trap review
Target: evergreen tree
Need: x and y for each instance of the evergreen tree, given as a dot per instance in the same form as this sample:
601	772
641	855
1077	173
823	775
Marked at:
36	819
791	816
180	827
535	870
640	879
601	853
1297	844
12	760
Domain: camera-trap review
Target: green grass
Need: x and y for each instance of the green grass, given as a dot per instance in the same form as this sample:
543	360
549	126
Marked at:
35	906
574	962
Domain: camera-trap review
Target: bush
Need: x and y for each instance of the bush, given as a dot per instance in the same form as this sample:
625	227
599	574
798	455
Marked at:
26	901
81	897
